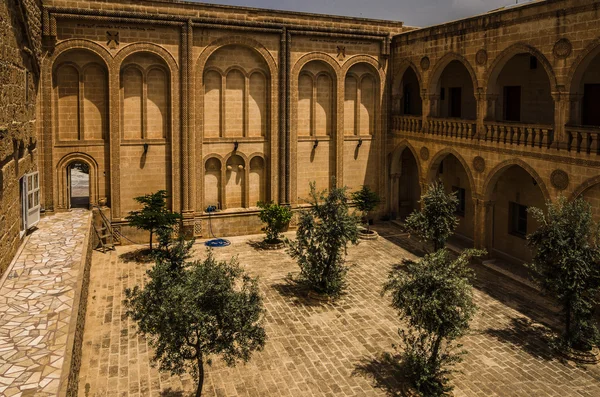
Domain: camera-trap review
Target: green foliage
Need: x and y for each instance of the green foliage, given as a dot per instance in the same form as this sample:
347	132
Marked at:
436	221
154	213
566	265
366	201
435	296
191	311
323	234
276	217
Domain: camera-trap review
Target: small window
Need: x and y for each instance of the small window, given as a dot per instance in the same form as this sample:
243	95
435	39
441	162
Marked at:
461	196
518	219
533	62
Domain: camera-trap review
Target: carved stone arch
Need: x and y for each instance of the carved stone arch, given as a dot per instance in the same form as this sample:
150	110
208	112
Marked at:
435	161
315	56
236	40
580	64
440	66
588	183
213	156
259	71
155	49
214	69
356	59
498	170
257	154
61	193
406	64
306	73
236	153
239	69
162	68
81	44
507	54
397	152
75	66
132	66
90	64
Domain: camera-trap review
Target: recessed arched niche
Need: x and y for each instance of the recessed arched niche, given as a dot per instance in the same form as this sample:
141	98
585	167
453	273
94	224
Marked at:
360	100
316	100
257	188
145	97
236	98
212	183
234	182
80	96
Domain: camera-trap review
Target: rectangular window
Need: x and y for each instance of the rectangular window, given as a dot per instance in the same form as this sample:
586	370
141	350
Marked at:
461	196
32	184
591	99
518	219
455	102
407	99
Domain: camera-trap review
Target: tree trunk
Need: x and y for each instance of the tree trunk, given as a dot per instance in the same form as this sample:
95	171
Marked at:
568	322
151	240
200	375
435	351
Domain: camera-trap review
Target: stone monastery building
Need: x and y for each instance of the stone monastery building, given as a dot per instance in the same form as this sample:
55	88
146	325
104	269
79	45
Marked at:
225	106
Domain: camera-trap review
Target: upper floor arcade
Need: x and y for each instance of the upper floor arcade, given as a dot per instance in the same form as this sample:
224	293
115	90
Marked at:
524	77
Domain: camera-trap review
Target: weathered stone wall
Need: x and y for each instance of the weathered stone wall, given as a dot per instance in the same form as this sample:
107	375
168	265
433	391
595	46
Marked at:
20	40
203	101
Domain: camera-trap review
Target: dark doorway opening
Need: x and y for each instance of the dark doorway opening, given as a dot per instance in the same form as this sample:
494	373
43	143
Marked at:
78	177
591	104
512	103
455	101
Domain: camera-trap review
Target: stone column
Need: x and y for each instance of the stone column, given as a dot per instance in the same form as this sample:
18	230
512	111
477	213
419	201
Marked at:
561	115
188	179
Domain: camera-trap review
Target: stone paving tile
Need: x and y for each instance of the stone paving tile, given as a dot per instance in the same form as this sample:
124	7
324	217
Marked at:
36	301
330	350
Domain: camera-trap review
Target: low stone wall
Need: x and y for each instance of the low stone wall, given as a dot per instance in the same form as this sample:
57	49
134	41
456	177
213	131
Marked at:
72	363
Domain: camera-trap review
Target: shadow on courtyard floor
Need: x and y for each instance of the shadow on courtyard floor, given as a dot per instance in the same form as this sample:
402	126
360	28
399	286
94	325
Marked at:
535	339
141	255
387	374
174	393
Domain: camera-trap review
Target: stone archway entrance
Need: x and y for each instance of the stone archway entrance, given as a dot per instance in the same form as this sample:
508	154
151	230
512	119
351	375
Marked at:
78	185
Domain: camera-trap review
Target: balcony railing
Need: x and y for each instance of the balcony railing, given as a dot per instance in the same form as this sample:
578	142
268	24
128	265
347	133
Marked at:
583	139
533	135
408	123
454	128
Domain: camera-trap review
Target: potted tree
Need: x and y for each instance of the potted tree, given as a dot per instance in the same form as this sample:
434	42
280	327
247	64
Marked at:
275	217
366	201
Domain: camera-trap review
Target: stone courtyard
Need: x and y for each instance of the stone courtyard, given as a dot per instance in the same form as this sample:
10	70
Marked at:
336	349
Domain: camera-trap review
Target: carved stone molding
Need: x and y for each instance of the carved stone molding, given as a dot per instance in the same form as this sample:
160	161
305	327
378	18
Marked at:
481	57
425	63
479	164
424	153
562	48
559	179
198	228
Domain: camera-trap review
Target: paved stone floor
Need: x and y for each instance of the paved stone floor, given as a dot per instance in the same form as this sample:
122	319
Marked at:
36	298
336	349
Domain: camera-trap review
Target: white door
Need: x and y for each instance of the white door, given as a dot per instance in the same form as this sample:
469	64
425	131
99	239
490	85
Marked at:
32	185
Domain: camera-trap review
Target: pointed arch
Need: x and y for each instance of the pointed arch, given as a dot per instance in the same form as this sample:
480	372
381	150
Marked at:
498	170
440	65
435	161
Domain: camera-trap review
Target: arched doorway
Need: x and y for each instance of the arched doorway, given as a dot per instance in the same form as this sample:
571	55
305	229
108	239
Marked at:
405	186
512	190
523	90
406	95
585	90
455	90
456	178
78	185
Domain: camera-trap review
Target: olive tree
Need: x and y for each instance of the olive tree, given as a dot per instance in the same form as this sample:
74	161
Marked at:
190	312
434	295
566	265
436	221
323	234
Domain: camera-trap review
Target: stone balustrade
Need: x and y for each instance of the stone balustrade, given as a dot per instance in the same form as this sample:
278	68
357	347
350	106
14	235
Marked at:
408	123
583	139
454	128
533	135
